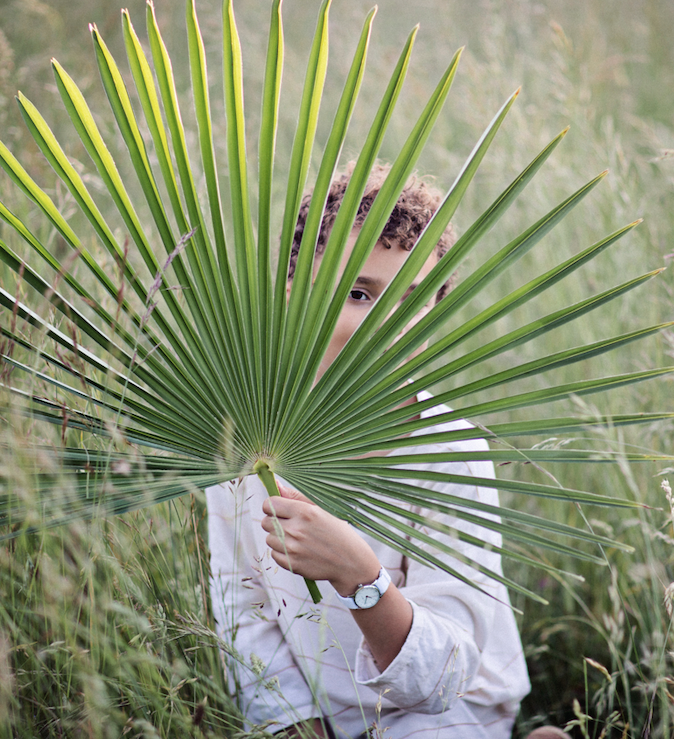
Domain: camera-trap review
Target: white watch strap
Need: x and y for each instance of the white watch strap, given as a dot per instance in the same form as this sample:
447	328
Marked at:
381	583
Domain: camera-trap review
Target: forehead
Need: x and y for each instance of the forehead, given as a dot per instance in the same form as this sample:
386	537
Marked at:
384	262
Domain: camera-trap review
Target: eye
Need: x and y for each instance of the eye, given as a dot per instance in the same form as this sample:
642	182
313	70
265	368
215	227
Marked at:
359	296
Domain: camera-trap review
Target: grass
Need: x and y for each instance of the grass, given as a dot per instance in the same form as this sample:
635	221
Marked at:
104	626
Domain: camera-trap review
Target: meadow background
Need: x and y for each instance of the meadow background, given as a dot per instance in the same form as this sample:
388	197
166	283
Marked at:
105	627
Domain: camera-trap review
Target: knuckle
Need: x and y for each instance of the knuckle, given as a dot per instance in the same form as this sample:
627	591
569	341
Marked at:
307	514
291	546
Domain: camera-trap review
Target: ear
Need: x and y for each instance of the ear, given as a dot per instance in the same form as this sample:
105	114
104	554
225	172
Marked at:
289	285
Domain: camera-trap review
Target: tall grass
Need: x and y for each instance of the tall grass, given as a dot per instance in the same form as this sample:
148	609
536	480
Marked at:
104	626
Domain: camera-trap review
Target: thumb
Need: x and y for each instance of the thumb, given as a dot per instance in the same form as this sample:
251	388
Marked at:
292	494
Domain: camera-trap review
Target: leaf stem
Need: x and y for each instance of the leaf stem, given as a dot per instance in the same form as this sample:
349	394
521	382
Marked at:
261	469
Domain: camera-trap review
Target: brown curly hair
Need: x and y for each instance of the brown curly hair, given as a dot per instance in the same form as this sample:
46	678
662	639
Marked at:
415	207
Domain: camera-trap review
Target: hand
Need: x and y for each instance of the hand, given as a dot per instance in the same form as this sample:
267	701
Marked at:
310	542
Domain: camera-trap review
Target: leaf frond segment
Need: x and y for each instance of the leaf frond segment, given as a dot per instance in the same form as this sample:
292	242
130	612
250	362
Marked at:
167	350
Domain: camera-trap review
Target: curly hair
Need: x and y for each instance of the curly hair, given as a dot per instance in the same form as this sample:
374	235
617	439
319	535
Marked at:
415	207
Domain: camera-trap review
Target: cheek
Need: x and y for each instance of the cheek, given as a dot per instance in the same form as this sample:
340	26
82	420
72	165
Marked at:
348	322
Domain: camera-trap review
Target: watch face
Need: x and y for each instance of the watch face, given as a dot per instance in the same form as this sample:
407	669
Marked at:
367	596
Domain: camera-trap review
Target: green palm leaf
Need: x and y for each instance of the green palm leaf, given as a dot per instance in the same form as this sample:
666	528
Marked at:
192	367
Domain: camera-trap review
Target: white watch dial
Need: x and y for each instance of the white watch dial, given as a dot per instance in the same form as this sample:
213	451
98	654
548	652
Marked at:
367	596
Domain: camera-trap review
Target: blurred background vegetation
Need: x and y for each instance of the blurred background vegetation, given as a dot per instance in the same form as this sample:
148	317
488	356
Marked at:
104	627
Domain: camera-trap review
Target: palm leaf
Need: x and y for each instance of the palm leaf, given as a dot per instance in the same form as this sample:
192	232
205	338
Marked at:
192	368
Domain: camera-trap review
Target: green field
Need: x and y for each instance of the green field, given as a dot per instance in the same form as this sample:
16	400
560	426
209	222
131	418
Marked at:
105	627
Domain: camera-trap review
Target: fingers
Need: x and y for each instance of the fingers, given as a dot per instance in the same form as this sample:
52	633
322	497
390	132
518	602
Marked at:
305	539
291	494
286	507
281	559
272	525
282	547
276	544
289	525
275	507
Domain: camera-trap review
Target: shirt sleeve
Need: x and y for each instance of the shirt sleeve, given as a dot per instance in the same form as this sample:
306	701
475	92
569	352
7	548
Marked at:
463	643
264	674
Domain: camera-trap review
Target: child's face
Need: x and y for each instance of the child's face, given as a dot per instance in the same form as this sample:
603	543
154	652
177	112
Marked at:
378	271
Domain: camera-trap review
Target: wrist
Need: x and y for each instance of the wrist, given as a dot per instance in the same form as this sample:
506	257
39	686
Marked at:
367	594
348	583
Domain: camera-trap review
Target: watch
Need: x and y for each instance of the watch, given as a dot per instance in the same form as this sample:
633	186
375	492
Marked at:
367	596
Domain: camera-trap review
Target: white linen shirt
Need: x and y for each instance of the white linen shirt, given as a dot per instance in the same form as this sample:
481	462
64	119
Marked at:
460	673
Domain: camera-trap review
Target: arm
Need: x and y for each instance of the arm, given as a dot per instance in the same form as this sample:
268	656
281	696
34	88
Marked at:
311	542
463	643
458	640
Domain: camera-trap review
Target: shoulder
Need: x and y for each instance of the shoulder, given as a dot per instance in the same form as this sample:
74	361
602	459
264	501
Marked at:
460	424
445	462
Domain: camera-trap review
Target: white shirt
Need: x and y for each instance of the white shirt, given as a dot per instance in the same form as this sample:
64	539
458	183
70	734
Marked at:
461	668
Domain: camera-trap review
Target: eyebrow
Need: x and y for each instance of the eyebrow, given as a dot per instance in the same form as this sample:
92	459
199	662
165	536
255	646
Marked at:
367	281
364	281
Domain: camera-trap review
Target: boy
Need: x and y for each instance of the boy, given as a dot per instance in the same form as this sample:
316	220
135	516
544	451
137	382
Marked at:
393	642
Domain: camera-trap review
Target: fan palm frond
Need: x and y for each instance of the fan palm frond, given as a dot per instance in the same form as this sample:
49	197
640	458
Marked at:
193	367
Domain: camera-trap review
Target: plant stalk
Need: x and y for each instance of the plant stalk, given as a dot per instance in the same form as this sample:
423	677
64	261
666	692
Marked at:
261	469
